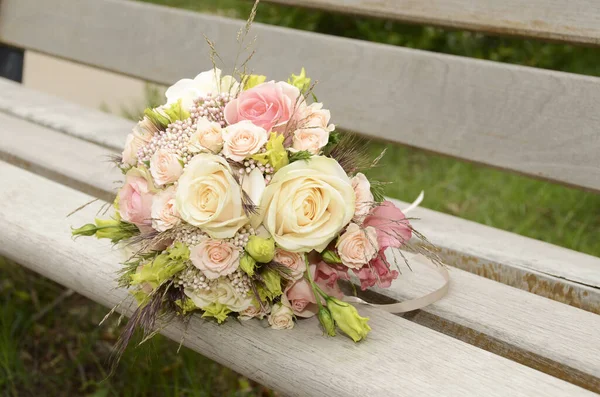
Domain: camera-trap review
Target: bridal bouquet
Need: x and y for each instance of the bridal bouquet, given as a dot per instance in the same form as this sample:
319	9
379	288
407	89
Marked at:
240	199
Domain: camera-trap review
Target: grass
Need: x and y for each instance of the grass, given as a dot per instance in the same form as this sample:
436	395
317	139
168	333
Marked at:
64	352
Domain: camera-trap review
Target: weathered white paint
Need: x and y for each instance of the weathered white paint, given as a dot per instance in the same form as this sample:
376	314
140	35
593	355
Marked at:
573	21
537	122
518	322
399	357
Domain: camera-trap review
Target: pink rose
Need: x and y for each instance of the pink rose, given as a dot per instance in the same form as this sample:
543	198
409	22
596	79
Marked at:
164	213
301	298
294	261
267	105
135	201
393	229
215	258
242	140
357	246
165	167
364	197
377	272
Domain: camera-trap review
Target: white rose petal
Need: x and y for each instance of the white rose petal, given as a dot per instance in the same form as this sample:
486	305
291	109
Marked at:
209	197
206	82
307	203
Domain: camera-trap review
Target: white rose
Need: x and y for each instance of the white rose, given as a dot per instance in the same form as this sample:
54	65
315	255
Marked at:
207	138
165	167
209	197
140	136
313	129
243	139
221	292
307	203
281	317
164	213
206	82
357	246
364	197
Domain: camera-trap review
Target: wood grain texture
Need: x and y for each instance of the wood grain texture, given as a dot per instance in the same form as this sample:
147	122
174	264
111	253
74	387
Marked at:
505	320
537	122
399	357
574	21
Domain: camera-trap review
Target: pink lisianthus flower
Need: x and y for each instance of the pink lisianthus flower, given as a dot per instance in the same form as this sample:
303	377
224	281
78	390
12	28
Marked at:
377	272
301	298
327	276
267	105
393	229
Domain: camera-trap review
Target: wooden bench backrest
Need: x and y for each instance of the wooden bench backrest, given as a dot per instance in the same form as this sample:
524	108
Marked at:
531	121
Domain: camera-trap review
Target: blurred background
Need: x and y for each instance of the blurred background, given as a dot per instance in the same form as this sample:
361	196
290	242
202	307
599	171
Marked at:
50	343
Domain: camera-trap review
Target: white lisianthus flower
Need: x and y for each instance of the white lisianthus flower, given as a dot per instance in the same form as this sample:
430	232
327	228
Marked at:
209	197
206	82
307	203
221	292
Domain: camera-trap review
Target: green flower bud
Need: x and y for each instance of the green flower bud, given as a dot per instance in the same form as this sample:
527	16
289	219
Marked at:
216	310
247	264
179	252
253	80
301	81
261	249
330	256
272	281
347	319
326	321
276	154
85	230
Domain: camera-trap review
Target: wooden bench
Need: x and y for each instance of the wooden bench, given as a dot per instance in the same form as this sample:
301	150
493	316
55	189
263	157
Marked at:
486	337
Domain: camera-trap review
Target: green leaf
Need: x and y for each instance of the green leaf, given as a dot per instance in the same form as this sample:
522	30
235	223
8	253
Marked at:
301	155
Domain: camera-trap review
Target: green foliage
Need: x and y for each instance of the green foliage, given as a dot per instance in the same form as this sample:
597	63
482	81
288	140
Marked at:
300	155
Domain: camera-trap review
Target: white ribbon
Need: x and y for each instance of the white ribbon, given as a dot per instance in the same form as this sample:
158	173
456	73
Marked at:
412	304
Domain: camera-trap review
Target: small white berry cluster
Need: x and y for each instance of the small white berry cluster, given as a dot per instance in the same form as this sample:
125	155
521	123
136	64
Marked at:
191	278
211	107
174	139
189	235
240	281
241	237
250	165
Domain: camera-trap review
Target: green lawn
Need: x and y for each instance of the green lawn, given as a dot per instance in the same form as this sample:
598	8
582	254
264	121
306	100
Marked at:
64	352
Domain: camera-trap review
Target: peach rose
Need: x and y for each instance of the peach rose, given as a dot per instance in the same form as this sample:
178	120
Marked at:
357	246
164	212
267	105
165	167
242	140
140	136
301	298
215	258
207	138
295	262
313	128
135	200
281	317
364	197
255	311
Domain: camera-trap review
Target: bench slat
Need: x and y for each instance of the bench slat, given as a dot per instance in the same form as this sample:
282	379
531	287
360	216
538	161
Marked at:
545	269
574	21
416	360
480	311
537	122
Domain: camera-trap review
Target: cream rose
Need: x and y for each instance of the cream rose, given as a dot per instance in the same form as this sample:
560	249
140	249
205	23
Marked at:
165	167
243	139
364	197
293	261
209	197
221	292
164	213
281	317
215	258
357	246
207	138
307	203
209	82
